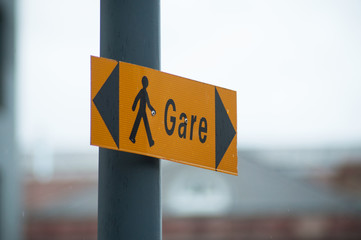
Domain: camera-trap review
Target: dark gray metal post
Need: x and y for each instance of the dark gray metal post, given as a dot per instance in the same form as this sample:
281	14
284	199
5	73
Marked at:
129	185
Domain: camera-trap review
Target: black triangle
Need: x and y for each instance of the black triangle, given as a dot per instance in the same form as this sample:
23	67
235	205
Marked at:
107	103
224	129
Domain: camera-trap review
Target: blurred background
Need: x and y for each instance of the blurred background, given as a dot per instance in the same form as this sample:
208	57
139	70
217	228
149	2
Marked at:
295	66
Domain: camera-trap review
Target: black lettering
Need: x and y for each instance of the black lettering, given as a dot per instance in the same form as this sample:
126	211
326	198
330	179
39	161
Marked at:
202	129
193	120
183	126
172	119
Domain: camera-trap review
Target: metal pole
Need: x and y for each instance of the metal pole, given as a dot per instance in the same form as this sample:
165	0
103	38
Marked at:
129	184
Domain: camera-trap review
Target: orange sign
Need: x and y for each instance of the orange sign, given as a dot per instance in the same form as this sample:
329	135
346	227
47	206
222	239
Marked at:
144	111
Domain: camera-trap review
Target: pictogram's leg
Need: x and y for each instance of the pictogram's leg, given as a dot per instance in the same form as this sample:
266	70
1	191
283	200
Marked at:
135	127
147	128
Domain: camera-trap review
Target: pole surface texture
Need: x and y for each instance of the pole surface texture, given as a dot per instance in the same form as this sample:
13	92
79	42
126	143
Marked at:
129	185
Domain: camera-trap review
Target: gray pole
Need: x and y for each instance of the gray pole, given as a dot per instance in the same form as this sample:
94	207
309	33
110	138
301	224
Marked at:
129	185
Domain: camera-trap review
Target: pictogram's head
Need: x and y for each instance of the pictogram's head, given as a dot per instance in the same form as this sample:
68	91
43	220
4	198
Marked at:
145	82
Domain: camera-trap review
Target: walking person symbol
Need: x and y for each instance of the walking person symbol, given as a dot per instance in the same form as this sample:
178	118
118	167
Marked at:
143	99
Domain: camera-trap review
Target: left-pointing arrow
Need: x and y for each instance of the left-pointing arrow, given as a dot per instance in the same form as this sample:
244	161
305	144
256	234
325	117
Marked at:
107	103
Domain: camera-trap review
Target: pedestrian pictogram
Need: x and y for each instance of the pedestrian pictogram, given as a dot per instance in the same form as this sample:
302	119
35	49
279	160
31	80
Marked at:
144	102
144	111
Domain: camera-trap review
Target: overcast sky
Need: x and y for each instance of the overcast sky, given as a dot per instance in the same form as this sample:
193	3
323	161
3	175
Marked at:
294	64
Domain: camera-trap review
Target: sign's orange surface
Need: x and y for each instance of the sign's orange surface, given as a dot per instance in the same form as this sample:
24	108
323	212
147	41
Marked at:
149	112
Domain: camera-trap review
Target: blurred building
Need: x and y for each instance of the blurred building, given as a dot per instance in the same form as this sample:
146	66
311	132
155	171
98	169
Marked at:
61	198
261	203
10	198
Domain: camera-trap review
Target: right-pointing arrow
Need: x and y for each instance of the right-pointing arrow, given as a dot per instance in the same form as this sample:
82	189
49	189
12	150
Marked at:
225	131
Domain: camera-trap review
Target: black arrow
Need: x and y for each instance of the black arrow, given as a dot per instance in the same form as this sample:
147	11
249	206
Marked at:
224	129
107	103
